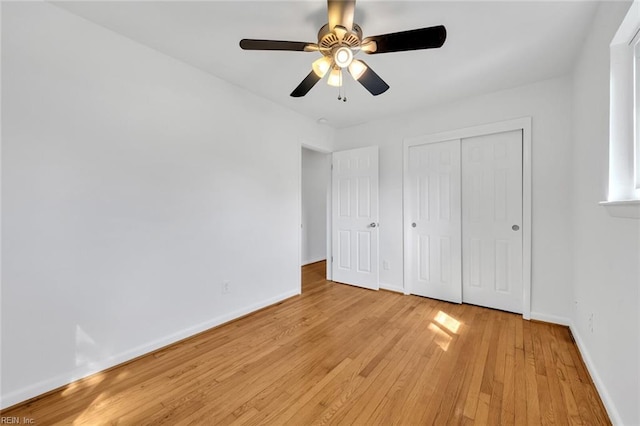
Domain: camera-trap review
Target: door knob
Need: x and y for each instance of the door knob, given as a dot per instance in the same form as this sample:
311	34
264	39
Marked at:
413	225
515	227
373	224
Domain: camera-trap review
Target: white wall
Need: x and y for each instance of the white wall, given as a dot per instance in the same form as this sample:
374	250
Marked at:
315	186
133	185
548	103
606	250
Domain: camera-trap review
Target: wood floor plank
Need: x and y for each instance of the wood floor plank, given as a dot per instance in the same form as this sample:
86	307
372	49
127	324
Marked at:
339	354
473	336
461	352
473	397
532	391
555	374
580	382
414	406
520	388
509	385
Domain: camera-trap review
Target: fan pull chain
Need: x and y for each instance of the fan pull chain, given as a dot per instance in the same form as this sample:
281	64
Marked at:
340	90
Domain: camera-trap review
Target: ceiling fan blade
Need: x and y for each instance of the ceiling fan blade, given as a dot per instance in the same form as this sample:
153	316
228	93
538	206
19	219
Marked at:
306	85
372	81
252	44
421	38
341	13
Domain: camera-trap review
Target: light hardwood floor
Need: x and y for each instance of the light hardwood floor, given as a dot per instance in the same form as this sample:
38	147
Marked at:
344	355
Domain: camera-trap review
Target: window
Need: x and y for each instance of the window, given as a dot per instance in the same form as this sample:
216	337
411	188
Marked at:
624	126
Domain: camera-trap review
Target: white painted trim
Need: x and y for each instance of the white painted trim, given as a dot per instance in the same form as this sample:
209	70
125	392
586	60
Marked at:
47	385
406	261
299	201
470	132
329	235
523	124
391	287
1	91
553	319
629	209
614	416
629	25
527	208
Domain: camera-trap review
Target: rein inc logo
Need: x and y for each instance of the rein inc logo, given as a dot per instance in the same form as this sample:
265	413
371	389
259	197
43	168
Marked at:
5	420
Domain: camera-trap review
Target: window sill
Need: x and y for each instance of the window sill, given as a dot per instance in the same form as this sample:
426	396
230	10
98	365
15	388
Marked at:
628	209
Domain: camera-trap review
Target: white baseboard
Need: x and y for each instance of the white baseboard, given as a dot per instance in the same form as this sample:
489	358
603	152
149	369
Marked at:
44	386
550	318
391	287
313	260
614	416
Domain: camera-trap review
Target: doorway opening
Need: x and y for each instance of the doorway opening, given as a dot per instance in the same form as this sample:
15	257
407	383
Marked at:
315	188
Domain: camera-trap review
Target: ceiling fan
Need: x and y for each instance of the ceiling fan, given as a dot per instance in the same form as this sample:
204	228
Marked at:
341	39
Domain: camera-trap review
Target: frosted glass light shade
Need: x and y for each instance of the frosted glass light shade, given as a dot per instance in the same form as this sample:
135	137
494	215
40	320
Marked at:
357	68
321	66
335	78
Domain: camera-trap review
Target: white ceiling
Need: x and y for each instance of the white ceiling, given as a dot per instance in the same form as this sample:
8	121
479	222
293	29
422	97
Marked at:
490	46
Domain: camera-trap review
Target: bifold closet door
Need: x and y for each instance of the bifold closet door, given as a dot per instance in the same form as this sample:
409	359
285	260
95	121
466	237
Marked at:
492	221
432	200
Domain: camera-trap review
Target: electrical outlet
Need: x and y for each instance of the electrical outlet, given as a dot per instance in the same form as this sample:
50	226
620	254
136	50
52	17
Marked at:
590	323
385	265
226	287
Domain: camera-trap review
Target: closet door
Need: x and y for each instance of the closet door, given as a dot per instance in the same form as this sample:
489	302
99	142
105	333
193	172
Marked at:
492	221
432	221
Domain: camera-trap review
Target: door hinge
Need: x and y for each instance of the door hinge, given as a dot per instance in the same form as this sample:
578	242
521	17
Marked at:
331	259
331	166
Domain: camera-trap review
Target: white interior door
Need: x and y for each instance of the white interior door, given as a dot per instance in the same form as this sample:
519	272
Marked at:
433	219
492	221
355	217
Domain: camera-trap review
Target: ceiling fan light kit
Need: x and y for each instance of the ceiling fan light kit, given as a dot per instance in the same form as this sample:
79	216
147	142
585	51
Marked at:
321	66
340	40
357	68
342	56
335	78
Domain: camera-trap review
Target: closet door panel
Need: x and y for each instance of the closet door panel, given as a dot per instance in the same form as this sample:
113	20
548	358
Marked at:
492	221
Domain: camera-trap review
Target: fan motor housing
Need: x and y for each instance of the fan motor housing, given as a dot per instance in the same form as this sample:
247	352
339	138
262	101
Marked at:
328	39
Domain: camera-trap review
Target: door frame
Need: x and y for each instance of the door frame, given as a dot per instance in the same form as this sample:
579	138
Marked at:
523	124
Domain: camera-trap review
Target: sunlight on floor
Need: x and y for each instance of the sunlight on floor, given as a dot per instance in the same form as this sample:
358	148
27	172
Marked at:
441	338
448	322
92	381
88	415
